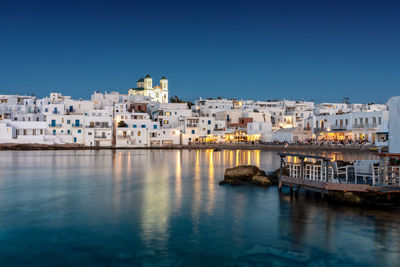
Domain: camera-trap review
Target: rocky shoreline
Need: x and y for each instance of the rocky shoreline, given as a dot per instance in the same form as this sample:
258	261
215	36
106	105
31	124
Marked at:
300	148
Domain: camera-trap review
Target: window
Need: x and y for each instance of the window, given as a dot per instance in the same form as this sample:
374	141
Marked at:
54	132
154	126
68	122
79	131
209	122
208	131
138	133
347	122
379	120
143	126
366	120
193	131
68	131
134	126
165	122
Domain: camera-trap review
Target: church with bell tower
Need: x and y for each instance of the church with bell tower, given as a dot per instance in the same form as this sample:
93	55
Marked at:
144	86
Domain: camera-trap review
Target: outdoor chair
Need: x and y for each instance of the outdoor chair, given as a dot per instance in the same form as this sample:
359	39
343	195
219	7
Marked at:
366	170
341	171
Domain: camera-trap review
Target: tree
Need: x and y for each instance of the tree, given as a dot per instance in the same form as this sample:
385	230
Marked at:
122	124
175	99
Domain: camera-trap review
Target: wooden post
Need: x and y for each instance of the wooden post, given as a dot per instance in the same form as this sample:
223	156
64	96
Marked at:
326	171
385	169
380	169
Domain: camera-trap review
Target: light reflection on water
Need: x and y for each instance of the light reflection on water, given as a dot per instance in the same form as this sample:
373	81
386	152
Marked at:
165	207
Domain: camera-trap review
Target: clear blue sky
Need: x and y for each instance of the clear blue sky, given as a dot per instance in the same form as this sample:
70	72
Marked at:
316	50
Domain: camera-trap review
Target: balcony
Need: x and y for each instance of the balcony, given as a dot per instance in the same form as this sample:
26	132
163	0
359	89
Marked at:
77	125
55	125
101	137
123	137
365	126
102	125
339	127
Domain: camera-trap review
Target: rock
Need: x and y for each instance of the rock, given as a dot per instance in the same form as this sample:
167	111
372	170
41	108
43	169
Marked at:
274	176
246	174
261	180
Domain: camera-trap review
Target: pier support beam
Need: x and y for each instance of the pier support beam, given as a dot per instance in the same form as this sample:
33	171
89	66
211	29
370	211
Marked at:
280	175
296	192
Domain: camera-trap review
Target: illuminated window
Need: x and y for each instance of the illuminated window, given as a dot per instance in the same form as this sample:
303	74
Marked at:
138	133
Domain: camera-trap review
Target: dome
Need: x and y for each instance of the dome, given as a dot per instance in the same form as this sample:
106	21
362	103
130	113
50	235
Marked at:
148	76
140	80
163	78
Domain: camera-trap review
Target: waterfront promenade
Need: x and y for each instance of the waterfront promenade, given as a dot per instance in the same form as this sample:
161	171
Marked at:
239	146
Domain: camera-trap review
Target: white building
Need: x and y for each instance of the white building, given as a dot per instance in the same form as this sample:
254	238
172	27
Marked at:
145	88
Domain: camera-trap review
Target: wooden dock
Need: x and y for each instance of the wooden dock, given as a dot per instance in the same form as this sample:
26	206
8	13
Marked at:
325	177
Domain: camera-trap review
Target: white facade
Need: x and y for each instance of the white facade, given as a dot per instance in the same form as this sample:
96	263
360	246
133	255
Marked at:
145	88
394	124
144	118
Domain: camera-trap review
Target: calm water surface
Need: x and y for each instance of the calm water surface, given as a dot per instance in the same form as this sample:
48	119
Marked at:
150	208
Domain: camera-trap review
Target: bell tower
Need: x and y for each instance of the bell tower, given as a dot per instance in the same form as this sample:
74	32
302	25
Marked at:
164	83
148	82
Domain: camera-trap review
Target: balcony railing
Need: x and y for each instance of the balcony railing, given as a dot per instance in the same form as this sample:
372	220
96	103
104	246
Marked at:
77	125
106	125
54	125
365	126
100	137
338	127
